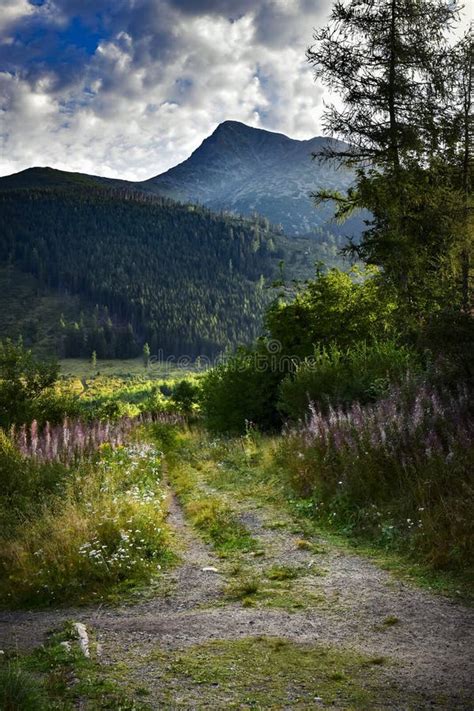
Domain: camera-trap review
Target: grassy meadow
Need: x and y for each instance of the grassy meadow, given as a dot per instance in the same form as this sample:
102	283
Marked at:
126	369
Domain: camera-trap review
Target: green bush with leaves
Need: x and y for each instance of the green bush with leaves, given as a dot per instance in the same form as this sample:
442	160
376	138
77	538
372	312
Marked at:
336	307
23	380
346	317
335	376
185	396
241	391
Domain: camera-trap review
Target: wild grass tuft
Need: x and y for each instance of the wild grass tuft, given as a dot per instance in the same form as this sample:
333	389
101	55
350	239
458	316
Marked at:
20	690
218	523
243	588
282	572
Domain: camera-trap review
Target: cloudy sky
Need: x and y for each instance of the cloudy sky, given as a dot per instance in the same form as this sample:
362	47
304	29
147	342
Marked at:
128	88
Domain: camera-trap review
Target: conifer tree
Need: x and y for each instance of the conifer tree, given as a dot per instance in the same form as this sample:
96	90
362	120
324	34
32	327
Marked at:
387	61
382	57
146	355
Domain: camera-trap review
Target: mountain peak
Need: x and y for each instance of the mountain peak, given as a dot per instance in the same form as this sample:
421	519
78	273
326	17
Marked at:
237	128
246	169
230	124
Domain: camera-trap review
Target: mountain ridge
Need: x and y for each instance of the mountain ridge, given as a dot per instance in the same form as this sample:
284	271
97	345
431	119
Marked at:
245	170
146	264
131	267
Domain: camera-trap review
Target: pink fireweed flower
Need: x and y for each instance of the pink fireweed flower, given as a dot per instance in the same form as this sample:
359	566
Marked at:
34	437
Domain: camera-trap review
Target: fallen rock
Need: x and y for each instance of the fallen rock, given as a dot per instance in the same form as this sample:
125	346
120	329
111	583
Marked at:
83	638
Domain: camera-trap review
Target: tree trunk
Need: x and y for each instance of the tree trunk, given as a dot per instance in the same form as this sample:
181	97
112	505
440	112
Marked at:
392	73
465	253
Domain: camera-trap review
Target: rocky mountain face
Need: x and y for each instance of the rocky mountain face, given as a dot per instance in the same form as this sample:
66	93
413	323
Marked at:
247	170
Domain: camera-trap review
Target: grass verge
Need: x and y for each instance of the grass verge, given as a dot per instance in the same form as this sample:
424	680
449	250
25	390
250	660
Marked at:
58	677
102	533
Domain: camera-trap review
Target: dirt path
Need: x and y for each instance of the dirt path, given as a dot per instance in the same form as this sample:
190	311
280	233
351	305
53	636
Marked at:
342	600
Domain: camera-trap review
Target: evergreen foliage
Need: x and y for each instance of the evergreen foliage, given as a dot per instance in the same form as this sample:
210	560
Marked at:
407	96
177	277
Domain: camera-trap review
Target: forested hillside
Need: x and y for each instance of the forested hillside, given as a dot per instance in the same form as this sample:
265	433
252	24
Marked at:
178	277
31	311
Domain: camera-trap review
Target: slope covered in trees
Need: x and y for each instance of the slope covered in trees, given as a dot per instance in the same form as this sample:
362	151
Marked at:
178	277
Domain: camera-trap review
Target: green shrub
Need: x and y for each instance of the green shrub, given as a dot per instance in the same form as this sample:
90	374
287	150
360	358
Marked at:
20	691
334	376
23	380
331	314
185	396
52	406
156	401
241	391
335	307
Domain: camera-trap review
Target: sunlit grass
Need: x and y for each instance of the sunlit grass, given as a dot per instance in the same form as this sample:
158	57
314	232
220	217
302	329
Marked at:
106	531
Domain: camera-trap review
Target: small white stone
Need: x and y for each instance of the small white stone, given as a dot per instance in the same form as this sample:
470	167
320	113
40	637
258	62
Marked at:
83	638
209	569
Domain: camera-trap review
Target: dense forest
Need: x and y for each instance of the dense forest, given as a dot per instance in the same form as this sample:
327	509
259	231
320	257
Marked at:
178	277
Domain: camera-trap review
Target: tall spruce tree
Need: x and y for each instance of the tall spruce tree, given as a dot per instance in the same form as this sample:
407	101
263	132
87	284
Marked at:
381	58
387	60
460	148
